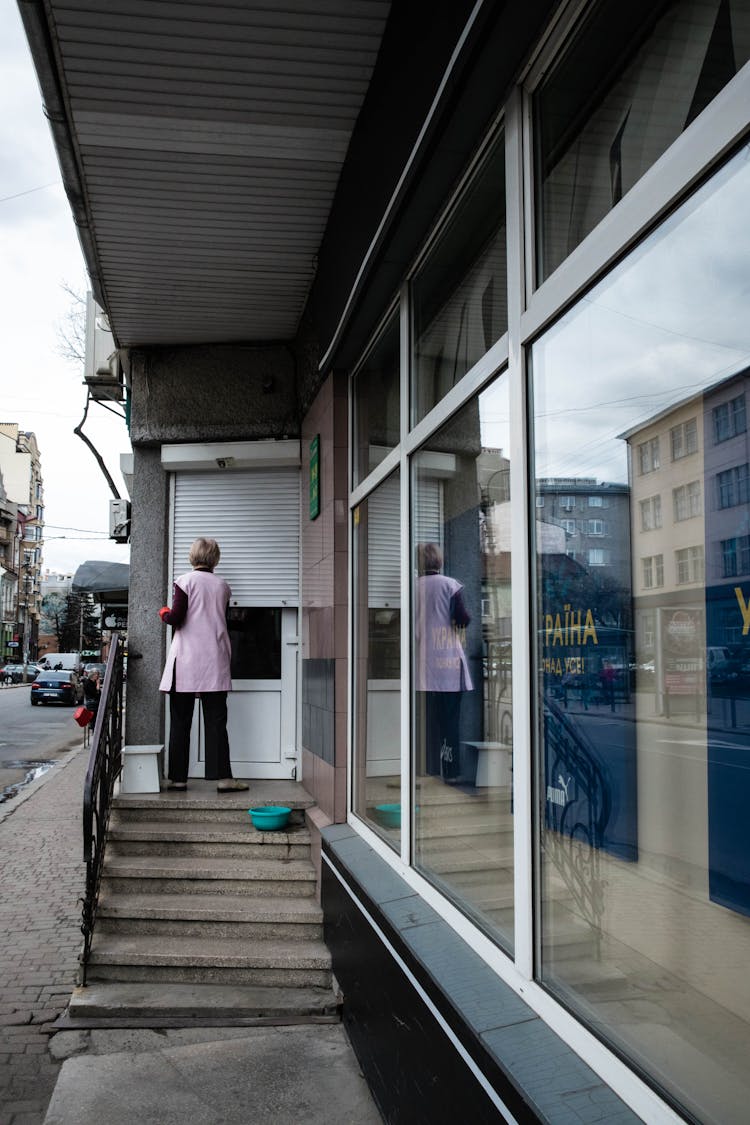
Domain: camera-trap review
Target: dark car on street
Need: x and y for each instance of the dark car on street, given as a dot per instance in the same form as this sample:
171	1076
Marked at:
14	673
56	687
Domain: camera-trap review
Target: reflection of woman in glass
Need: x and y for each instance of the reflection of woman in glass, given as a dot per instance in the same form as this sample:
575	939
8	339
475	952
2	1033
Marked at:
441	671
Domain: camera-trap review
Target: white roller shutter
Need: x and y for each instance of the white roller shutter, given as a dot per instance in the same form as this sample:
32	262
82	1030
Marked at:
253	514
384	542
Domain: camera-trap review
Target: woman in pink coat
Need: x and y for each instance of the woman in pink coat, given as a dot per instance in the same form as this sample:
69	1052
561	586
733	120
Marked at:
441	670
198	663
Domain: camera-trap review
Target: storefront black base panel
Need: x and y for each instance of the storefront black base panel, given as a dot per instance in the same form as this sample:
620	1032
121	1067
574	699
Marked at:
440	1037
415	1073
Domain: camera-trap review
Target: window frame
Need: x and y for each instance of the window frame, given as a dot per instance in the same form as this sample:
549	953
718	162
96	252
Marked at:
531	310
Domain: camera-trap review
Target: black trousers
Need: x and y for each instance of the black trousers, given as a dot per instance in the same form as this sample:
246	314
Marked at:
214	707
441	713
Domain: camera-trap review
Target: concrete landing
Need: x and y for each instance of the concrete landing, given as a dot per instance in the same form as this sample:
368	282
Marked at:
282	1075
194	1002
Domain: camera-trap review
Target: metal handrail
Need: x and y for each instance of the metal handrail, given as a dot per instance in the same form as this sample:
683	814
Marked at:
580	825
105	763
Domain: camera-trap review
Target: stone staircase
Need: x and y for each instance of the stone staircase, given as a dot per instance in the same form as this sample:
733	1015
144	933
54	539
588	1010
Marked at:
202	917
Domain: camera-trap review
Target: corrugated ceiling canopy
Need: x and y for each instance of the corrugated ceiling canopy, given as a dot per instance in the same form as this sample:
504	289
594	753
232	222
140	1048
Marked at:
210	138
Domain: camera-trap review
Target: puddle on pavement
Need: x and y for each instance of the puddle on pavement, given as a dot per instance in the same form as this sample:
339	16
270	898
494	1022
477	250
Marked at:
33	768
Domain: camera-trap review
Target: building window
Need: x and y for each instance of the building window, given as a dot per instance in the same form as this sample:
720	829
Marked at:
689	563
653	571
567	503
377	659
597	556
729	419
648	456
540	501
461	673
596	527
733	486
684	439
620	805
735	556
376	403
596	502
686	501
460	292
602	114
568	526
651	513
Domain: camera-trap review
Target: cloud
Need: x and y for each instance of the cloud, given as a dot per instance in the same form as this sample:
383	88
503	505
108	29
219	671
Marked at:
38	389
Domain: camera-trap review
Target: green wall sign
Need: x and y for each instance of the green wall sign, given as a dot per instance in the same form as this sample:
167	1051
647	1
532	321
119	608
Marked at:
315	477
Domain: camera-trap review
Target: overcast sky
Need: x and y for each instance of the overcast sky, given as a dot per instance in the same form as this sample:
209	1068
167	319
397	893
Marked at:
40	390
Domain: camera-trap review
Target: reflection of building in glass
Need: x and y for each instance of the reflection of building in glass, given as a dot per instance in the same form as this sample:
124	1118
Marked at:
595	518
690	533
667	528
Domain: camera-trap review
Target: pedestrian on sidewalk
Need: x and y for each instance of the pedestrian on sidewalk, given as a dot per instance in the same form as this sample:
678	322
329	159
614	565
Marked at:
198	664
92	691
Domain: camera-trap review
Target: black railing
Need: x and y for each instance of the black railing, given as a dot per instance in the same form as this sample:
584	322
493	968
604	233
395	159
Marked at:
105	763
579	812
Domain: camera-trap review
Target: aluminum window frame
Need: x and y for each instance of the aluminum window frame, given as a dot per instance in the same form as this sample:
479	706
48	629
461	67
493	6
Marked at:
692	158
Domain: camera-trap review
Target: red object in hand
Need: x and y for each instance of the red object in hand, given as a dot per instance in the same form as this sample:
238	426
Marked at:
163	611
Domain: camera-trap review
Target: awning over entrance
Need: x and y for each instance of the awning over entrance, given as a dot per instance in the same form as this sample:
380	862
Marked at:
201	146
107	581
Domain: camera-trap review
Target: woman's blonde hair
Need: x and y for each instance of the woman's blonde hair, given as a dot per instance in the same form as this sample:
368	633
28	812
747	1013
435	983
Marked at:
204	552
429	558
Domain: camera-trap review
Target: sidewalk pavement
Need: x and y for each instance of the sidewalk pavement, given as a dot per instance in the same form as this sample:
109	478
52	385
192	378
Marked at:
41	880
209	1076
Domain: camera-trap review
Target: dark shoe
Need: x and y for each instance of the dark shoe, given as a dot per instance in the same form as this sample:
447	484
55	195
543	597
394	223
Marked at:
179	785
232	785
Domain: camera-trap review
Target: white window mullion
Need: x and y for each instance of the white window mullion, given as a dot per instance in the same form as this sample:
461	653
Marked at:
406	572
520	562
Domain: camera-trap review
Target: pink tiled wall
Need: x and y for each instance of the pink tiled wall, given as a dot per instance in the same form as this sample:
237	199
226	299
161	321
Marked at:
324	553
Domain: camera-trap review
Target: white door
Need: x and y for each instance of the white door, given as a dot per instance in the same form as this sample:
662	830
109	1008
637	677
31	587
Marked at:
254	516
262	705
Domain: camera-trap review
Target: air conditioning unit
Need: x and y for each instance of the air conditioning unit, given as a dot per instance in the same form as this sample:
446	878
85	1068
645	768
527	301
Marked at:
119	520
102	370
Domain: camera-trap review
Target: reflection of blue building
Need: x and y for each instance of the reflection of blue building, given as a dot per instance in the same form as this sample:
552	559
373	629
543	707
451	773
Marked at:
585	655
727	547
727	477
691	567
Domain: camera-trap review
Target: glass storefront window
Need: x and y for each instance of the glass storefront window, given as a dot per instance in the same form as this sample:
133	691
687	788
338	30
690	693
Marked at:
376	397
632	78
644	661
463	722
377	660
459	295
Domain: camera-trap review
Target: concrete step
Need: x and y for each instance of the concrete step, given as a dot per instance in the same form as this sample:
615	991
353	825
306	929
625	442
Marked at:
570	939
206	875
206	838
207	805
471	834
444	859
290	964
218	916
278	1075
110	1000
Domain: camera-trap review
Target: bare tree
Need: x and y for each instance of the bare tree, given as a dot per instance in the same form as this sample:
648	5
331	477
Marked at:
71	330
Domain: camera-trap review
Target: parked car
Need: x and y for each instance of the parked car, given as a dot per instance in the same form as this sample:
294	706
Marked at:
13	673
719	664
56	687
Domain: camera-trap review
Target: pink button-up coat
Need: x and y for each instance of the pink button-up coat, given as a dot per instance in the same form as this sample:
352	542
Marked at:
440	663
200	655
